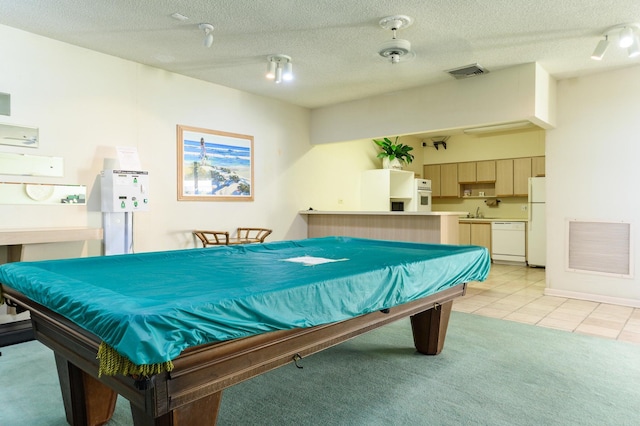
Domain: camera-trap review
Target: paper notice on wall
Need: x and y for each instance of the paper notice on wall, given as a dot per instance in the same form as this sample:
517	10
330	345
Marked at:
128	158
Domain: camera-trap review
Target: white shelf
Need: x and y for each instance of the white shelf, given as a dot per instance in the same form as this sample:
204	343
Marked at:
381	186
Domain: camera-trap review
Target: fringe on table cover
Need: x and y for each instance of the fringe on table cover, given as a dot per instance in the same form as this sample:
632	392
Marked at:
112	363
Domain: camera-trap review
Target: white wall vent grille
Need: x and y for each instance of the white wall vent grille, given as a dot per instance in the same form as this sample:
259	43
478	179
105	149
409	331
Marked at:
599	247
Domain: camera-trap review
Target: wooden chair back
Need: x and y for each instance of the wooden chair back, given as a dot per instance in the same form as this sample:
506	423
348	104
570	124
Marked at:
253	235
212	238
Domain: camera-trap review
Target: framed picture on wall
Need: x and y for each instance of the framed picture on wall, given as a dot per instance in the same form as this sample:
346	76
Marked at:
214	165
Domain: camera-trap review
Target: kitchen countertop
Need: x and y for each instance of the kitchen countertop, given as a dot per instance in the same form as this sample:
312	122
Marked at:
386	213
462	215
465	219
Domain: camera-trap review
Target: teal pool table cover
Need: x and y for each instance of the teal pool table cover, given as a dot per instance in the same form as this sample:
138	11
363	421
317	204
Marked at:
149	307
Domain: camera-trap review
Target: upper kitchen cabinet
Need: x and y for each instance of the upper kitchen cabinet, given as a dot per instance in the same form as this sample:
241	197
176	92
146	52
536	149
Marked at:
499	178
467	172
521	175
444	179
512	177
486	171
537	166
477	172
449	180
432	172
504	178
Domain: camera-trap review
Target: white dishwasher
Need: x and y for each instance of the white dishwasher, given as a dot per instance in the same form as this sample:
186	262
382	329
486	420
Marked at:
508	241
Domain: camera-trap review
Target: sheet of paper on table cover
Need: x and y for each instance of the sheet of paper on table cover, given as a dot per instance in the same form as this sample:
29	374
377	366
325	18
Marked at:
149	307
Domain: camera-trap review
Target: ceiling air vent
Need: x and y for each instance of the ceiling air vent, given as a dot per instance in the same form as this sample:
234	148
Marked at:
467	71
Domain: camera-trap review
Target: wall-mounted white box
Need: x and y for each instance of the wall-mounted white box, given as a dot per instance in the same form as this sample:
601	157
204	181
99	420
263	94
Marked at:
124	191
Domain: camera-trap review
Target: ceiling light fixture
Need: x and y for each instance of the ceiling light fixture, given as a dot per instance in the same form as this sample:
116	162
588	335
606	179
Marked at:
396	49
208	37
279	68
634	49
627	35
601	48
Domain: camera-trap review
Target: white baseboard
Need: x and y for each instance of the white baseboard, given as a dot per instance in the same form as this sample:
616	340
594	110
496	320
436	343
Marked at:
634	303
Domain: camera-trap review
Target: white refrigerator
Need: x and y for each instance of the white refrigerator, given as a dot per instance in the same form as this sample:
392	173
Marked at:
537	235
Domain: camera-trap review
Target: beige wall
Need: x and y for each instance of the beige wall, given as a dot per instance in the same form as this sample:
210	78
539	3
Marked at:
512	94
86	104
334	171
461	147
593	174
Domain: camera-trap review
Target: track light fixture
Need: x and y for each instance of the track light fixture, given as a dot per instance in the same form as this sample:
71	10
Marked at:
601	48
627	35
208	37
634	48
279	68
396	49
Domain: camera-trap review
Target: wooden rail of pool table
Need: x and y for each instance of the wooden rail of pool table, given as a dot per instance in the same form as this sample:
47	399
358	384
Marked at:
191	393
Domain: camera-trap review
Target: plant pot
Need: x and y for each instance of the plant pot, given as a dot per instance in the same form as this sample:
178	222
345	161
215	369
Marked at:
394	164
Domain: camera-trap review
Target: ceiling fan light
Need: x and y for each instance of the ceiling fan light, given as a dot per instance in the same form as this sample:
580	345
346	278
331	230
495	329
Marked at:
396	49
626	37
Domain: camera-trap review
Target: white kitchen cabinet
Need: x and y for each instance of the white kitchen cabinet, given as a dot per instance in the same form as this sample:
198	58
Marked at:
382	186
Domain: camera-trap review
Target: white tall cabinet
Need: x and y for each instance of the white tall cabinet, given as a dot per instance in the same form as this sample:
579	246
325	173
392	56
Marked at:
379	188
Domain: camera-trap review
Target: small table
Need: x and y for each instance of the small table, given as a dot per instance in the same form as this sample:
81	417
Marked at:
16	239
17	331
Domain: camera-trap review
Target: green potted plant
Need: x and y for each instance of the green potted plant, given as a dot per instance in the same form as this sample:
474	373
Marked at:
394	154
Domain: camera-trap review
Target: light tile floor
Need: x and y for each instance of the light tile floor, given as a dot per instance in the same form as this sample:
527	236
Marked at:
516	293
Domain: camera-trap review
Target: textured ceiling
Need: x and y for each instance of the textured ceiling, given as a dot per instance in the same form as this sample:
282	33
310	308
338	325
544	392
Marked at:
333	43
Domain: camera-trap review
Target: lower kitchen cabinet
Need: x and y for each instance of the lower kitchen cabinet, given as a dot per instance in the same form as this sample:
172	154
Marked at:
464	233
475	233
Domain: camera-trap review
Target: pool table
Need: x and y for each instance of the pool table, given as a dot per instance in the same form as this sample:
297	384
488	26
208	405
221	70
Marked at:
262	284
190	394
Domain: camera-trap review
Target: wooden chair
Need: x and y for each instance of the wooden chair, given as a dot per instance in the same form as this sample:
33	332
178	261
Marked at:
212	238
221	238
252	235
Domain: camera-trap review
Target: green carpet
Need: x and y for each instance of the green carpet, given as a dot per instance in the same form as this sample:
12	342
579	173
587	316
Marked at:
491	372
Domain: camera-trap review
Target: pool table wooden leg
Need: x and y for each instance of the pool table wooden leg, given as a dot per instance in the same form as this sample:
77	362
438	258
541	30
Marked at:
203	411
87	401
430	328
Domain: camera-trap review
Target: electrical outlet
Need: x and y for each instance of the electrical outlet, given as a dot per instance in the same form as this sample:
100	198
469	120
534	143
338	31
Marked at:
340	201
523	208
